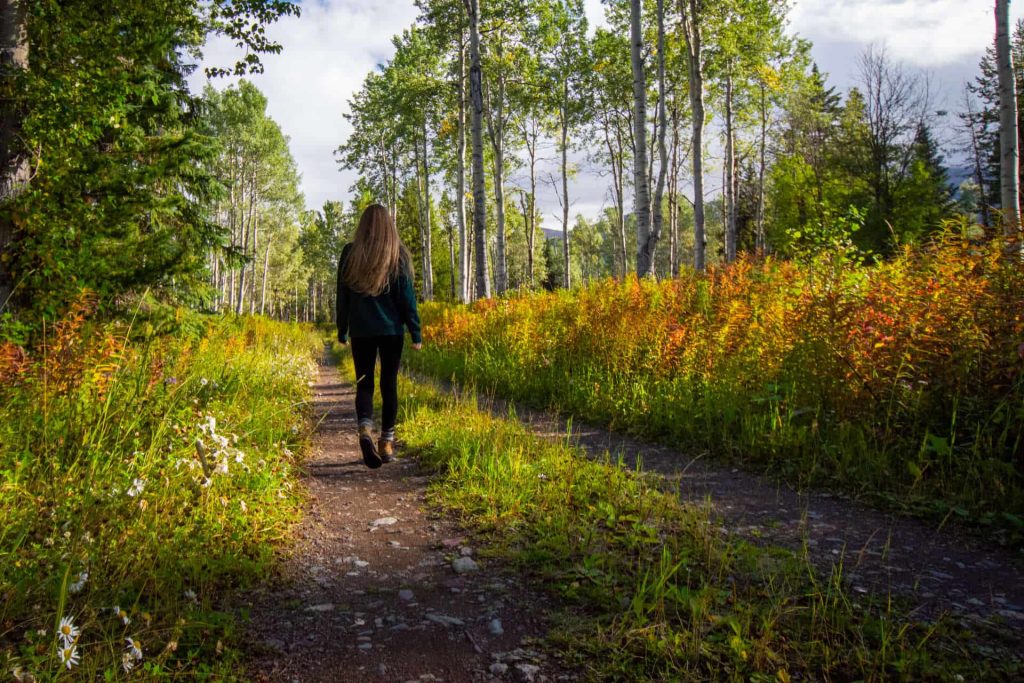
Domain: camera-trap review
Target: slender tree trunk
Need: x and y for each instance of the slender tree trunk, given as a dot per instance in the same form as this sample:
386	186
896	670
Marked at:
14	163
762	238
234	202
476	113
1009	171
426	230
529	206
255	250
691	30
428	241
247	231
673	197
650	248
567	275
460	182
730	176
615	162
451	258
496	133
263	286
641	196
620	199
976	158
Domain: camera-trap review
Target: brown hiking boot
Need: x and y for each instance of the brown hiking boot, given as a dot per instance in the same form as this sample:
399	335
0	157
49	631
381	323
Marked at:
370	456
386	450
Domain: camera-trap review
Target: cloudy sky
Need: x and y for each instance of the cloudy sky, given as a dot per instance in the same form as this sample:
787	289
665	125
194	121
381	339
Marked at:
330	48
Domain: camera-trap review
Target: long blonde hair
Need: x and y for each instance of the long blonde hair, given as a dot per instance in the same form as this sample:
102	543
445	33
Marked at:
377	253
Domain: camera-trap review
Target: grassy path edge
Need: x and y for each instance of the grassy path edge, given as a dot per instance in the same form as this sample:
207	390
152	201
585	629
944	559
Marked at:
656	591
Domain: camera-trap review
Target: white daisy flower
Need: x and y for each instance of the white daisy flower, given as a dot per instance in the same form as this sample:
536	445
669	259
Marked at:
137	486
68	655
122	615
127	663
79	583
222	467
239	457
134	648
203	381
67	631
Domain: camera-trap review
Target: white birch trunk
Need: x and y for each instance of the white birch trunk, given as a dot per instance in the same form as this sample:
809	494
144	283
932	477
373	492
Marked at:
641	196
1008	145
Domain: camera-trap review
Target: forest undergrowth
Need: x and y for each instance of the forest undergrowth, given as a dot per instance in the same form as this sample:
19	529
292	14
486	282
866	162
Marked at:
148	471
650	588
900	382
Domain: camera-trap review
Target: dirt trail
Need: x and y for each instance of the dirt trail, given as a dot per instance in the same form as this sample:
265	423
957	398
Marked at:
940	570
370	593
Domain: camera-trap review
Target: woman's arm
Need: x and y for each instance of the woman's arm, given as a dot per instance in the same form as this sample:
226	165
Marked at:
410	314
342	298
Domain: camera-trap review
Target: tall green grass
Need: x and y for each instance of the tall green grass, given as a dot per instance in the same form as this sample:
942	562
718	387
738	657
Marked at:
649	589
902	381
144	474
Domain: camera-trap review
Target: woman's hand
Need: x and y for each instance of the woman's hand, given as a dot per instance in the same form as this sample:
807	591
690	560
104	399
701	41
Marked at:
417	347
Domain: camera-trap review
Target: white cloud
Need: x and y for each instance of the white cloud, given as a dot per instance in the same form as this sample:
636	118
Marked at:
925	33
327	53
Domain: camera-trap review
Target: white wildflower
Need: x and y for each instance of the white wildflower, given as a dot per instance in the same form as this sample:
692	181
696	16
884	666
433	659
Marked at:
134	649
67	631
203	381
68	655
190	595
210	427
137	486
79	583
122	615
239	457
127	663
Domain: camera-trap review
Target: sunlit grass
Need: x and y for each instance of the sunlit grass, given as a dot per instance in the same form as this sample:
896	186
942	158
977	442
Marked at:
649	587
145	473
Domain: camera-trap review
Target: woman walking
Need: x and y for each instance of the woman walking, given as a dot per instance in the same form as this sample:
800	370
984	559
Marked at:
376	301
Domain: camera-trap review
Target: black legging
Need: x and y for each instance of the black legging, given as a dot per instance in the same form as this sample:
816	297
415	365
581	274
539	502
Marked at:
364	356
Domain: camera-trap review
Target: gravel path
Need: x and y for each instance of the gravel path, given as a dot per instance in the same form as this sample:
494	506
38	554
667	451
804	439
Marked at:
940	570
377	589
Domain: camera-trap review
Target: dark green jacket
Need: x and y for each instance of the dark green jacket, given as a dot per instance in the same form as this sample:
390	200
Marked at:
360	315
